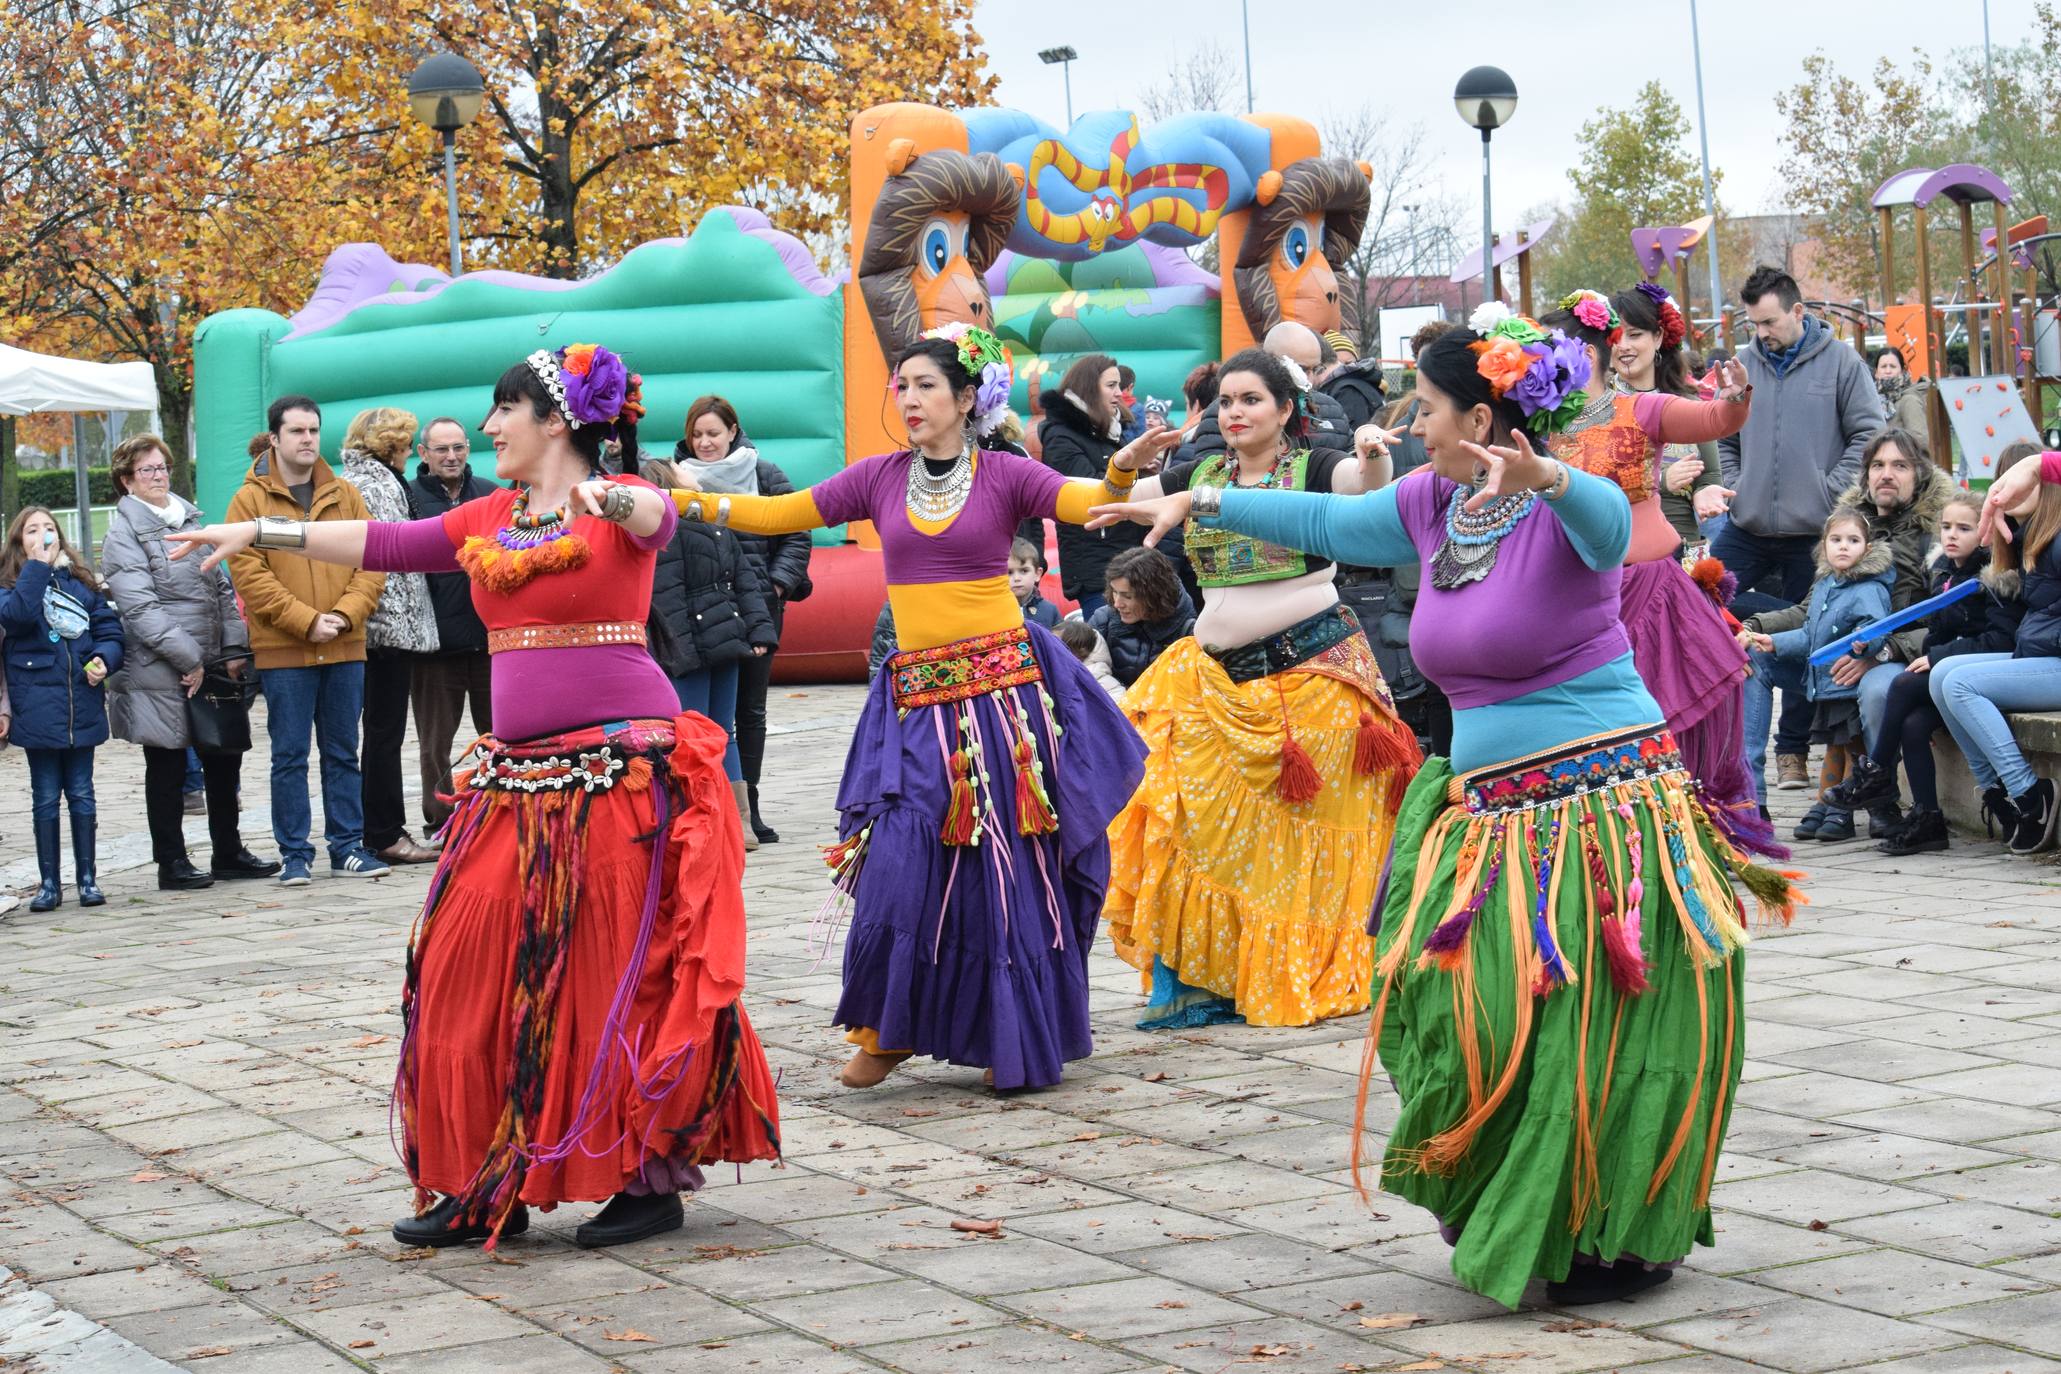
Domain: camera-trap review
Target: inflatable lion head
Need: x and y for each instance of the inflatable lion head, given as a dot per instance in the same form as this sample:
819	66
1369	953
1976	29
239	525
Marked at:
940	221
1310	214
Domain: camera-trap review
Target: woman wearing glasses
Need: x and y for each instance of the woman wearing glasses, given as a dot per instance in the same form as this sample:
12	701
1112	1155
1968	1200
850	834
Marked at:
176	619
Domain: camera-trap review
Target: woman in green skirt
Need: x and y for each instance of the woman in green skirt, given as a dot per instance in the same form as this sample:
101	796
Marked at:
1559	998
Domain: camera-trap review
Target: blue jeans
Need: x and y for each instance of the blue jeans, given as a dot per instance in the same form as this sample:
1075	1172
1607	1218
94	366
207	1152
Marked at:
195	780
1973	691
1793	558
69	771
1769	673
326	700
713	693
1875	684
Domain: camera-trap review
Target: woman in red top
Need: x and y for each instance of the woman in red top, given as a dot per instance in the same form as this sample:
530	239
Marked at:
571	1005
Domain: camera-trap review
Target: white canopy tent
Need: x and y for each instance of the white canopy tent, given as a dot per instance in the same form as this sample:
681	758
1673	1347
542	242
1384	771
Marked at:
37	383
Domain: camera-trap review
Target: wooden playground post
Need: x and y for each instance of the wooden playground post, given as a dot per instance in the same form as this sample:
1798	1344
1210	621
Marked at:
1523	274
1888	257
2007	362
1977	354
1935	341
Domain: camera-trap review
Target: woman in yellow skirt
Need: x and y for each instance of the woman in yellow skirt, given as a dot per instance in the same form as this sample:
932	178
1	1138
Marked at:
1245	865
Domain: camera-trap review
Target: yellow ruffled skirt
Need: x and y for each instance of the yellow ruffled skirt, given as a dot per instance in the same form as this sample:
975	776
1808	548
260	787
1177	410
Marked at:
1220	881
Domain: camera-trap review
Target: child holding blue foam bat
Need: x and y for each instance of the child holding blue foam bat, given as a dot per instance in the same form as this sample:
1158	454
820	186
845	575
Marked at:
1855	576
1984	623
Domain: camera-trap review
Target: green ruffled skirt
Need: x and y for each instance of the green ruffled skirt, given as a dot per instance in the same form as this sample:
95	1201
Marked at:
1559	1003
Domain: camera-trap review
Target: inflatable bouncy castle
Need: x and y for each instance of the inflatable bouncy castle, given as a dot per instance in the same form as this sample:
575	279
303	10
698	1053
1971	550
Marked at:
1064	244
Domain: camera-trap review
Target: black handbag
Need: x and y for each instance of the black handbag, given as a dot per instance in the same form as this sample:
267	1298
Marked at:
218	715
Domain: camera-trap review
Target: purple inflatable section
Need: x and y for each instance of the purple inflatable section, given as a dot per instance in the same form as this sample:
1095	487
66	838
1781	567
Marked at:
361	274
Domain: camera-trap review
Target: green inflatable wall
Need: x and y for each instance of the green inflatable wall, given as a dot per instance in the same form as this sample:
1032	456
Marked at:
737	308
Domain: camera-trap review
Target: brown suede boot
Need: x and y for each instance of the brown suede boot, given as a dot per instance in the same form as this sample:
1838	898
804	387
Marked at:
741	794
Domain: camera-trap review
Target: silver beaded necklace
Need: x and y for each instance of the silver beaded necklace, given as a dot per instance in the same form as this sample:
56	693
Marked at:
935	498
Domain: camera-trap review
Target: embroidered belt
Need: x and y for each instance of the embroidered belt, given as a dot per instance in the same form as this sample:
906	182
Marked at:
580	636
1290	648
1573	770
590	760
962	669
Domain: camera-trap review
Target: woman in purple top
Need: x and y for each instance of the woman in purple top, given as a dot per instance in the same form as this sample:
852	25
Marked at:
1559	1000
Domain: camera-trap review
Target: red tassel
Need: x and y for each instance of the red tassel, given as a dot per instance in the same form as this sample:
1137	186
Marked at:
1383	744
959	816
1299	781
1033	812
1627	962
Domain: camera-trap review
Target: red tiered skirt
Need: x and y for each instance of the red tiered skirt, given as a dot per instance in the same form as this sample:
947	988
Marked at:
572	1000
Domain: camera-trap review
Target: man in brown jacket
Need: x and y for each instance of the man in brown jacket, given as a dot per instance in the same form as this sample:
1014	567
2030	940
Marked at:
307	632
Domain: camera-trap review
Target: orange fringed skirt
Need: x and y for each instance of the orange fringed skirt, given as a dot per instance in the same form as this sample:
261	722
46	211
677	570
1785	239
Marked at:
573	1024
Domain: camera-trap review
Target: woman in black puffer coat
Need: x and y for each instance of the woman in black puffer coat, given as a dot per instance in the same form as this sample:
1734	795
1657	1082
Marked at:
721	458
709	602
1080	430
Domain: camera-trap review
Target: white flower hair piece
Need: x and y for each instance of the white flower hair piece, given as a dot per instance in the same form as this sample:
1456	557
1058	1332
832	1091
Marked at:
1488	315
1297	375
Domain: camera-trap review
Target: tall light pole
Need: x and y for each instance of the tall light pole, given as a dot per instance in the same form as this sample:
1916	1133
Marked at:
446	94
1486	99
1245	15
1710	237
1065	58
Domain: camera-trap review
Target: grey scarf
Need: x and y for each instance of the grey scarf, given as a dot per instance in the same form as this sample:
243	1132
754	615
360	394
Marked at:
736	472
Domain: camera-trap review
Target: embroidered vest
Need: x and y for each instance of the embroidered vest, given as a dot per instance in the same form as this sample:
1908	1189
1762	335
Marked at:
1226	558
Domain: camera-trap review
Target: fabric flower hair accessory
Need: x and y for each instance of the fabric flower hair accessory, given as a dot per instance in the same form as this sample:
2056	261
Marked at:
1592	308
988	361
1541	370
589	384
1673	328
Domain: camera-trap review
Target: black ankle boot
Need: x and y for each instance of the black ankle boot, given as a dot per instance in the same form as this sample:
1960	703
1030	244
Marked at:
766	833
181	876
439	1226
1593	1283
1868	786
83	860
627	1218
1923	831
1999	816
50	891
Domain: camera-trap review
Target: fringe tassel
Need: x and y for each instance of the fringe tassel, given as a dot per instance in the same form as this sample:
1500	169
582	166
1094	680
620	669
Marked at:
1384	744
1299	781
1627	959
960	819
1034	815
1774	891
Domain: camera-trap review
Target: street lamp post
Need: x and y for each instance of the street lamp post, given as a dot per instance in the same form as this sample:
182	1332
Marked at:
446	94
1065	58
1486	98
1710	237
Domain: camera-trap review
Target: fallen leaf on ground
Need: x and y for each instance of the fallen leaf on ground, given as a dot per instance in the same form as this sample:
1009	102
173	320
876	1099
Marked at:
208	1352
1171	1302
1819	1225
363	1345
147	1176
183	1044
1086	1136
631	1335
1572	1325
978	1228
1159	1077
1421	1364
1353	1306
1391	1321
1270	1352
484	1297
354	1230
364	1042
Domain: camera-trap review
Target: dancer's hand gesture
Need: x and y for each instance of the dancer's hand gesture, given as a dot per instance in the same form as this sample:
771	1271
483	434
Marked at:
1516	468
2006	494
1162	513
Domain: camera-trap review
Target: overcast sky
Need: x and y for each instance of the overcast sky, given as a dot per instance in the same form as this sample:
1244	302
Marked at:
1405	58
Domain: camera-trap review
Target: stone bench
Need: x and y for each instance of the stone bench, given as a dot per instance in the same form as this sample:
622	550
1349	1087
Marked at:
2039	736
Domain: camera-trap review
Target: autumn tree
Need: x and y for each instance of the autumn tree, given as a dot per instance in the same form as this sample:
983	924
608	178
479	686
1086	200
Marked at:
186	159
1636	170
1841	139
606	126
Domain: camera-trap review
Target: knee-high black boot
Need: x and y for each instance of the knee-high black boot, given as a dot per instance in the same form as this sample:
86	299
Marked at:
83	859
50	891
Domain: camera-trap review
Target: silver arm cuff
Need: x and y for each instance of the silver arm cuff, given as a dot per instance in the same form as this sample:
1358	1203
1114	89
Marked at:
1205	502
618	504
277	532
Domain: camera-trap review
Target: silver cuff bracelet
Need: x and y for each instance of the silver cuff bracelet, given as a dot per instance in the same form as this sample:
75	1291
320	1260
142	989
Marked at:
278	532
1205	502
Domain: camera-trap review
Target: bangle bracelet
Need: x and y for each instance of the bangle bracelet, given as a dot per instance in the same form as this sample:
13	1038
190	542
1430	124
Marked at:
722	510
277	532
618	504
1560	483
1205	502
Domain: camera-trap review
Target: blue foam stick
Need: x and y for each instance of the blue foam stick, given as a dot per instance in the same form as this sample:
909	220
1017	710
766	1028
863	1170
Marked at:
1894	621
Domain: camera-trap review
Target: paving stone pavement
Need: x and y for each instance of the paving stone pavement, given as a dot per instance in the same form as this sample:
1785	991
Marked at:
193	1134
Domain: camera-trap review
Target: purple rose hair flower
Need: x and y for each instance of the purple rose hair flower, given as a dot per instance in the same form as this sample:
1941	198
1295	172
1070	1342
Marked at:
596	397
1538	389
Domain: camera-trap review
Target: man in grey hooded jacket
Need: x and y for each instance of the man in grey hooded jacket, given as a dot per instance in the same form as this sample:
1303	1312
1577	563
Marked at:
1815	406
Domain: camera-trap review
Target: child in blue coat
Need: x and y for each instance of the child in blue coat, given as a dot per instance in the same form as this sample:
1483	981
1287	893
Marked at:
63	640
1855	576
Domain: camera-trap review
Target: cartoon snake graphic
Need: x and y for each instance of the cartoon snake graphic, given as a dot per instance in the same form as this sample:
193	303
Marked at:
1108	214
